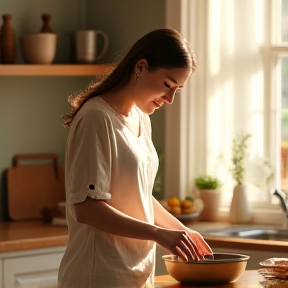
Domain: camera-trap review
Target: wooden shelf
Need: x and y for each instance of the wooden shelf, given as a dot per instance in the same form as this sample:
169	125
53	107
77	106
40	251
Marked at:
53	70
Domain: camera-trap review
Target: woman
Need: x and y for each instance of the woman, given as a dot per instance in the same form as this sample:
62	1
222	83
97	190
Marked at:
114	221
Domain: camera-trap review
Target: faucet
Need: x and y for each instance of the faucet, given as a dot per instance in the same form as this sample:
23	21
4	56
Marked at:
283	197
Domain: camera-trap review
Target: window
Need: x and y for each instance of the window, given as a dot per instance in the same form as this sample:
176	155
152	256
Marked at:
283	83
279	89
241	84
284	123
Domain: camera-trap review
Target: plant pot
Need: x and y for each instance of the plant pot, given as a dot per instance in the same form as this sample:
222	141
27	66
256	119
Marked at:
240	209
211	199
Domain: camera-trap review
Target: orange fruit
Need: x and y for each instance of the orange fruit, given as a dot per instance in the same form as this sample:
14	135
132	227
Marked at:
176	210
174	202
187	210
186	203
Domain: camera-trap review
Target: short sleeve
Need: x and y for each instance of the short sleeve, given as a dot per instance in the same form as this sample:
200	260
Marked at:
88	157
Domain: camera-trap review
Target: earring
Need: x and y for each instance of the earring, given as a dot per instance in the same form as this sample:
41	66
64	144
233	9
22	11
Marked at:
137	75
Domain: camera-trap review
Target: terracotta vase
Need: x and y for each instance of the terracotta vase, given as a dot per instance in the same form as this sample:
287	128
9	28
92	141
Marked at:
240	209
211	199
7	41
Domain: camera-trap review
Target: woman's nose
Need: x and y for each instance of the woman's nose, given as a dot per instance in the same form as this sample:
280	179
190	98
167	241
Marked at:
169	97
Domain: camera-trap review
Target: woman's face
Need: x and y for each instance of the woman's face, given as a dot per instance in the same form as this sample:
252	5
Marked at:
159	87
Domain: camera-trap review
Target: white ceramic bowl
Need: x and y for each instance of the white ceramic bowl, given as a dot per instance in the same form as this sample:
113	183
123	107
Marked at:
39	48
225	268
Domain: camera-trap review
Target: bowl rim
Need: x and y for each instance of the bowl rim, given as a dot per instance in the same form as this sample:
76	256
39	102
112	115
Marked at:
239	258
41	35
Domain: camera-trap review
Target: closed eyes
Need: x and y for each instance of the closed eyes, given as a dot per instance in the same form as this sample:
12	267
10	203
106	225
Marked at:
170	87
167	85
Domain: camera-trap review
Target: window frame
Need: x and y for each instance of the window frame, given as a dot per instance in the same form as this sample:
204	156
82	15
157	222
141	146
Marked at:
278	50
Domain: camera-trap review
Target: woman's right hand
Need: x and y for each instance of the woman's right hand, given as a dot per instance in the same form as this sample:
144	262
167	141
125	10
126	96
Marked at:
178	242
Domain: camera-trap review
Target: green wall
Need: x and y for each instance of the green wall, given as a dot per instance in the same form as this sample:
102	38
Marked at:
31	107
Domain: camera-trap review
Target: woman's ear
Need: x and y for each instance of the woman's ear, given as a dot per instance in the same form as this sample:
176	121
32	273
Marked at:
140	66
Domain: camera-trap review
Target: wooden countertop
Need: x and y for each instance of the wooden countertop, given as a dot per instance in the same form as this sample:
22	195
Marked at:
249	278
24	235
246	244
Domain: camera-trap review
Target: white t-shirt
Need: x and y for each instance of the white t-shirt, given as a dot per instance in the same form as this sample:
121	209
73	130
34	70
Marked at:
105	160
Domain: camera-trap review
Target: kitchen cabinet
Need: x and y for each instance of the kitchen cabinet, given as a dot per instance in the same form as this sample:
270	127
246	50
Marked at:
33	268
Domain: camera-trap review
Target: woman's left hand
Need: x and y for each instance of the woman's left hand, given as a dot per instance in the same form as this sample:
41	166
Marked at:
201	247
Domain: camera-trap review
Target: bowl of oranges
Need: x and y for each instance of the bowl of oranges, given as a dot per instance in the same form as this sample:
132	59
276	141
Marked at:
183	209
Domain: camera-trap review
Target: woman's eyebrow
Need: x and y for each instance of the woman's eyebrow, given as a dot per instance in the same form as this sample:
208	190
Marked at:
174	81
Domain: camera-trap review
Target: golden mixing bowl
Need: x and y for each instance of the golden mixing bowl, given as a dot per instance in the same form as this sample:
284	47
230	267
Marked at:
224	268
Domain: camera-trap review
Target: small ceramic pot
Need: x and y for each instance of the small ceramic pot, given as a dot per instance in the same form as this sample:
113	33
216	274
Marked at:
39	48
211	199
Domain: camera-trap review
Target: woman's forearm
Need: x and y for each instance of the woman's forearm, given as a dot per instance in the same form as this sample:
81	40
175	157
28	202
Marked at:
168	232
164	219
102	216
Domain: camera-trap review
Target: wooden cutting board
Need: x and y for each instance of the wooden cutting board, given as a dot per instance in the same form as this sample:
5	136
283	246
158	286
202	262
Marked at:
33	186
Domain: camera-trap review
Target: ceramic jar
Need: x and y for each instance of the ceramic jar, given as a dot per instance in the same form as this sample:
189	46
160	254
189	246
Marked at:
39	48
240	209
211	199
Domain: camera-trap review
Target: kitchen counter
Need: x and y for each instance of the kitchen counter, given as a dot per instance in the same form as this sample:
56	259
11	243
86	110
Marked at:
249	278
24	235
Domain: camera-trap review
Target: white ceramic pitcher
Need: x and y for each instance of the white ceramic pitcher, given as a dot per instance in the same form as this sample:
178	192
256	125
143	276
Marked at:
86	45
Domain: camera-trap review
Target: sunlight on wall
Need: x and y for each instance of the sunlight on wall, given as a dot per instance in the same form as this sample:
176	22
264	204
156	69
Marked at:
257	113
214	14
220	34
258	20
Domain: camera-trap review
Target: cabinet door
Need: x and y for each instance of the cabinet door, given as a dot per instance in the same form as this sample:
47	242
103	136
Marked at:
38	271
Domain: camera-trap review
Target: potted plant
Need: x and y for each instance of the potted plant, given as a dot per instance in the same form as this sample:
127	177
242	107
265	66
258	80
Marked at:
240	210
208	187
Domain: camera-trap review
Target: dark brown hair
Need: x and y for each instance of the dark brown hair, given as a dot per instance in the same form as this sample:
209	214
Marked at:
162	48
